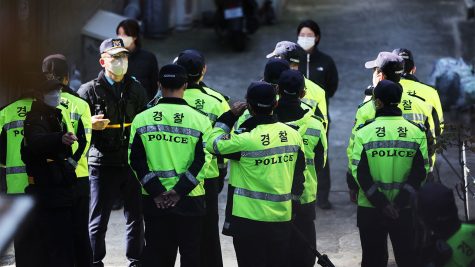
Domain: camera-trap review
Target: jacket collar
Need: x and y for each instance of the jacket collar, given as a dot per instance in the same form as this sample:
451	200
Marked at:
172	100
289	109
257	120
409	76
41	107
388	111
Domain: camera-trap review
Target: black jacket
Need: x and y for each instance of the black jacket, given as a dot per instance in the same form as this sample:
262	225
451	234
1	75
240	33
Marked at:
44	155
144	67
322	71
120	104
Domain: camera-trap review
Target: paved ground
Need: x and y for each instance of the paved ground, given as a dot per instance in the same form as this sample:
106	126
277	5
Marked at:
352	32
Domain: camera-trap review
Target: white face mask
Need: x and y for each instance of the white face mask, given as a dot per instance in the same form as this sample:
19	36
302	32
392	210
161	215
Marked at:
52	98
128	40
118	66
306	42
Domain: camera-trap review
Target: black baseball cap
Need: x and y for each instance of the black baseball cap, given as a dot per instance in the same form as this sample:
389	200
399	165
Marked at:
291	82
172	76
406	55
113	46
261	94
55	64
192	62
388	92
50	85
287	50
388	63
194	52
273	69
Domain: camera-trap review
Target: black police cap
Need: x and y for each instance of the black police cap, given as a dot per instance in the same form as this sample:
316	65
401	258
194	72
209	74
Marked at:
261	94
273	69
55	64
193	63
291	82
388	92
172	76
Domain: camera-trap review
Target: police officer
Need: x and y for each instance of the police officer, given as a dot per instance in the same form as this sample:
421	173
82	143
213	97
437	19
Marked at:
272	70
173	192
415	87
289	110
12	119
117	98
267	164
76	111
451	242
389	162
388	66
47	153
197	96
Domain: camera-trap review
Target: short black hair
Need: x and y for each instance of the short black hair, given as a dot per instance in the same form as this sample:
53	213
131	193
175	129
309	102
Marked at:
390	75
313	26
131	28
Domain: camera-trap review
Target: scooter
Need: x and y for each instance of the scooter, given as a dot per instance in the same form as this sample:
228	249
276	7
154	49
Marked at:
235	20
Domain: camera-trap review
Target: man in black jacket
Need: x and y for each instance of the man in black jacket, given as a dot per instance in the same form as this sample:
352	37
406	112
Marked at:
47	154
114	98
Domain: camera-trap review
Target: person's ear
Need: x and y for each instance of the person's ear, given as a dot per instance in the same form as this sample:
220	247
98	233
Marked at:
317	39
249	107
275	105
413	71
378	103
65	80
303	93
102	62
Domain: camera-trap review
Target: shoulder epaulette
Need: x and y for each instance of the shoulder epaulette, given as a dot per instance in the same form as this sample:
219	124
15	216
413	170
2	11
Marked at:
197	86
420	126
421	98
428	85
362	104
293	126
204	113
218	92
364	124
306	104
322	120
241	130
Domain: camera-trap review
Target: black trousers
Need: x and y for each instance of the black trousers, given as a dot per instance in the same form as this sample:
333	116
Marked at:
82	245
107	182
210	246
164	235
48	240
26	243
374	229
261	244
304	222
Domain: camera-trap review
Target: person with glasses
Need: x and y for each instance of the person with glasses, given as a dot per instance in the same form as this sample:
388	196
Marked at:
115	98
